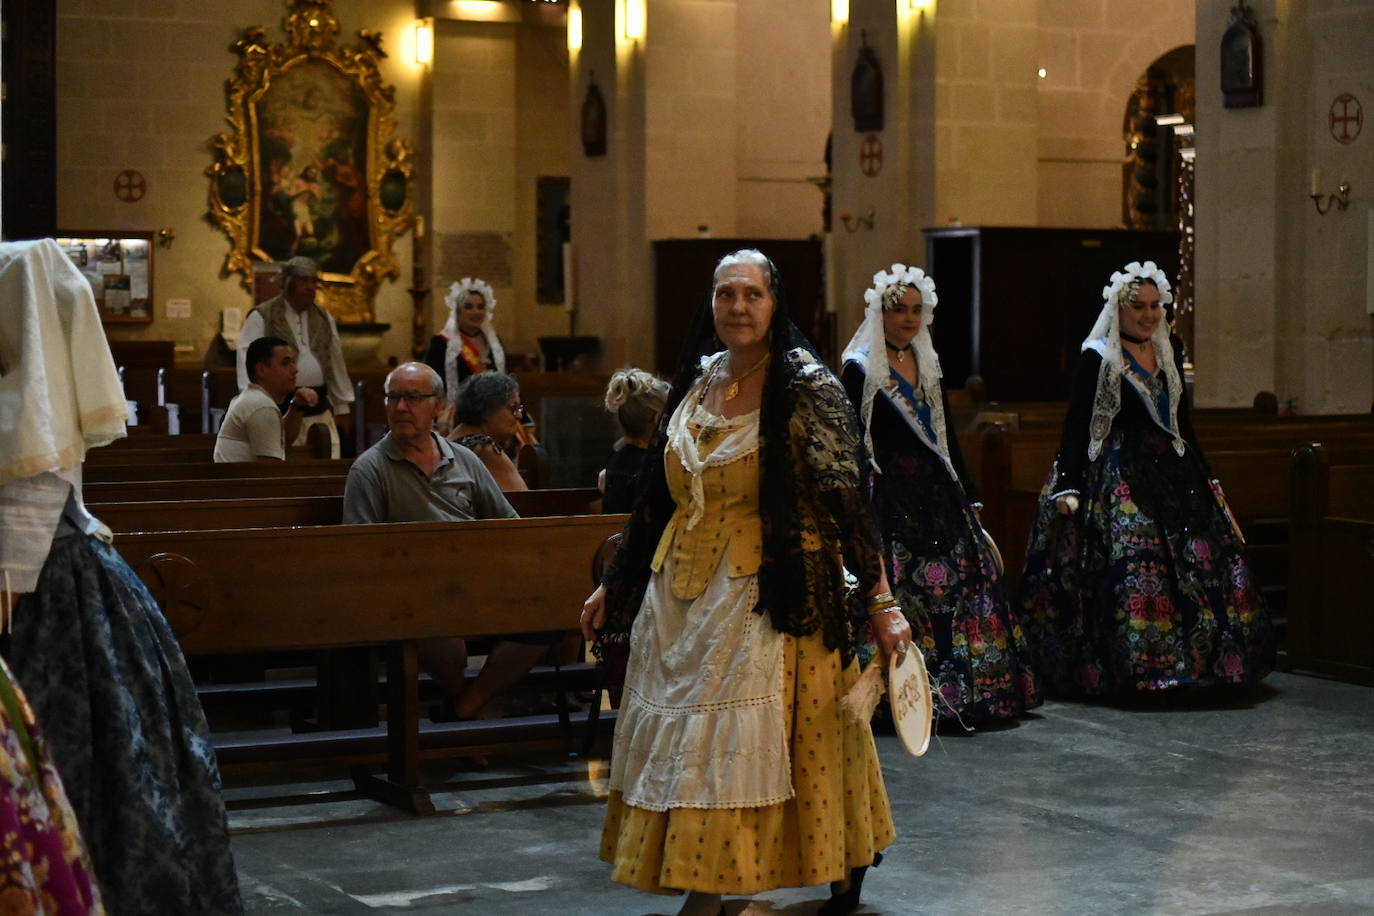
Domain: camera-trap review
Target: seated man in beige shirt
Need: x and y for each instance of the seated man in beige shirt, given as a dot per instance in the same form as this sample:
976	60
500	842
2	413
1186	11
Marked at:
254	428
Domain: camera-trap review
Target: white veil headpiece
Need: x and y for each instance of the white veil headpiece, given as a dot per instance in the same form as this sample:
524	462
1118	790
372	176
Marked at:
457	294
1105	339
60	393
868	348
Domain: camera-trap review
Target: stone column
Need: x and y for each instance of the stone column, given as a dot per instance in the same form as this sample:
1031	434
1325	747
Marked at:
899	193
612	263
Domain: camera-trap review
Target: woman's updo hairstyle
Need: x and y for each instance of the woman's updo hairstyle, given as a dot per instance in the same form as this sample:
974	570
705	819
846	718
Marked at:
636	397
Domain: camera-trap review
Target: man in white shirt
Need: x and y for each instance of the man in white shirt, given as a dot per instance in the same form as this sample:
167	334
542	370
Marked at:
254	428
294	317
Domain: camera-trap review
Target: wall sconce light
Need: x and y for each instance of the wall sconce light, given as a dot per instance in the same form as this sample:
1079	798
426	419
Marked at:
636	19
855	223
424	41
839	11
165	237
1341	199
574	28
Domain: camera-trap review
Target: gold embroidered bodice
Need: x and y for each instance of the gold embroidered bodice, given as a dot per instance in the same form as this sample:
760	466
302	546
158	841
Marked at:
729	530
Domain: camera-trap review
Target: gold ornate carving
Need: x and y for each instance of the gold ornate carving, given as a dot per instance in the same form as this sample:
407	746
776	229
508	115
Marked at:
309	165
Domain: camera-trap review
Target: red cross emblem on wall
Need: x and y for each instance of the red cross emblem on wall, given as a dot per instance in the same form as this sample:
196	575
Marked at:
130	186
871	155
1345	118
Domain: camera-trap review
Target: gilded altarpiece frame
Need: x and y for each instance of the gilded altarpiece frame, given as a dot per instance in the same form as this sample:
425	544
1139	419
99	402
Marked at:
310	166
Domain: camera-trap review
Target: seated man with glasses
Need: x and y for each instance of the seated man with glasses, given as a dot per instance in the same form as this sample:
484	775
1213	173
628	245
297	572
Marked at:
488	419
415	475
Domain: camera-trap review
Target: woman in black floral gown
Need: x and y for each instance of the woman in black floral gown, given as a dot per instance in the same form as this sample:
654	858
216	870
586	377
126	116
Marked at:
1136	578
939	562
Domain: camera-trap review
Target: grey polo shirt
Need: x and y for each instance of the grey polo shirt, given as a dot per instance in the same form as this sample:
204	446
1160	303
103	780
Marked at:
384	486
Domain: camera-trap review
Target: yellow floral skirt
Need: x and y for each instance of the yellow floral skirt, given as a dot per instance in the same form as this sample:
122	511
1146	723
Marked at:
838	818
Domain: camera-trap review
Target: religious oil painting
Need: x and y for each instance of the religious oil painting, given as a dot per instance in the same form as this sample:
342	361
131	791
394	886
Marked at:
310	166
312	151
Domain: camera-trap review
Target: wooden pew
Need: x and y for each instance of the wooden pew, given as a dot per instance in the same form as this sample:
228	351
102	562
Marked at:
145	441
374	585
299	511
224	488
1331	566
1251	462
210	470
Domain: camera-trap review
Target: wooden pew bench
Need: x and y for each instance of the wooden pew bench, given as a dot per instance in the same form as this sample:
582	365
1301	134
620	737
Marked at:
211	470
298	511
1252	464
1331	566
375	585
137	491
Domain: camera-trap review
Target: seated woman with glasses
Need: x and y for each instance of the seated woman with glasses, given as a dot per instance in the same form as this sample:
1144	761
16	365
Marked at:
488	420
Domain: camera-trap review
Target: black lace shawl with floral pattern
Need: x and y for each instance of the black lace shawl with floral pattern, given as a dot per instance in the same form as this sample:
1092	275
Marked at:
810	495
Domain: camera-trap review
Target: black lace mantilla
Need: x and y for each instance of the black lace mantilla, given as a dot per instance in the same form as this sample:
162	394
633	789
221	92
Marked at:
810	495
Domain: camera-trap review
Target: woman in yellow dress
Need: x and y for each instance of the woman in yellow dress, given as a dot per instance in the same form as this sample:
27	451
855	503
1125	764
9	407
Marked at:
734	770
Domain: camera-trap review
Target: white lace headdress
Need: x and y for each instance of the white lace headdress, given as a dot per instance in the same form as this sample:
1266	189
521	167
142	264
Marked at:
868	348
1105	339
457	295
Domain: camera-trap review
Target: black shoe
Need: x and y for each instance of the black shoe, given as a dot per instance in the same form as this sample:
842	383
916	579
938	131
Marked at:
847	901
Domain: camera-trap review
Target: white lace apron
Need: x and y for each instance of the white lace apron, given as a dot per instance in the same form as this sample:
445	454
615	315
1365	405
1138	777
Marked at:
702	723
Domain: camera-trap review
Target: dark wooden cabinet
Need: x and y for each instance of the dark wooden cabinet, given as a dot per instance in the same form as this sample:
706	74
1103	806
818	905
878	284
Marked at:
682	282
1016	303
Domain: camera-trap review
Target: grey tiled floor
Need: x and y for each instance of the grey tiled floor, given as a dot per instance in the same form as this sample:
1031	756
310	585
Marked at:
1258	805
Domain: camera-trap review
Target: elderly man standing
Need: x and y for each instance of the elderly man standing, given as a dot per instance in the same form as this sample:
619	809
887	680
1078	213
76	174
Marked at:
294	317
415	475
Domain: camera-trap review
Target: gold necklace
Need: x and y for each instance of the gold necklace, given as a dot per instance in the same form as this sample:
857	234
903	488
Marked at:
732	391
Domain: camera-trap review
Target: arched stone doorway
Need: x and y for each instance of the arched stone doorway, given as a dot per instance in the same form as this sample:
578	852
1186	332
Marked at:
1157	175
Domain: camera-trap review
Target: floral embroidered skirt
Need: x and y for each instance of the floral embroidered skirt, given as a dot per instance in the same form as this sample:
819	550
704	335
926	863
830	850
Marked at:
44	868
1148	586
110	689
838	818
945	577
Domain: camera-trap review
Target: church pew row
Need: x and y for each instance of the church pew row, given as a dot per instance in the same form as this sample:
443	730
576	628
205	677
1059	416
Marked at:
197	390
1331	567
247	689
232	591
153	441
111	491
299	511
211	470
1050	414
1253	467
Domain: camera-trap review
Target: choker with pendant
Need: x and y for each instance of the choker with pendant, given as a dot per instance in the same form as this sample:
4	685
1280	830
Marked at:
900	351
1134	340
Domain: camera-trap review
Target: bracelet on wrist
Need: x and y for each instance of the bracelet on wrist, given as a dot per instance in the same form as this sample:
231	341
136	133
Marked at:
884	598
874	612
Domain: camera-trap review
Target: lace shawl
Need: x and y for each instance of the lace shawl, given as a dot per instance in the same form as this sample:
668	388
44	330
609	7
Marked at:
454	338
868	349
1105	340
683	443
453	352
825	522
935	399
